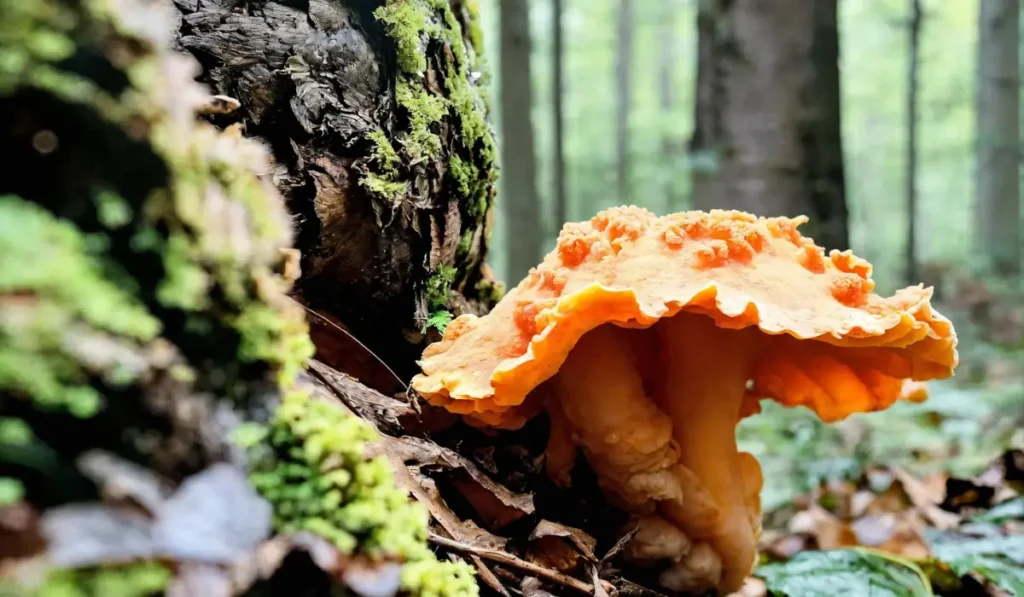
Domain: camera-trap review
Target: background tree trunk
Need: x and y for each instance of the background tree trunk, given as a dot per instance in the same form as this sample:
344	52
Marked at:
767	134
624	98
913	60
378	124
666	97
523	223
998	135
558	95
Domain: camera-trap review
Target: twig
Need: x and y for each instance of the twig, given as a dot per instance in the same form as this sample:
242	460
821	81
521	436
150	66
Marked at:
508	559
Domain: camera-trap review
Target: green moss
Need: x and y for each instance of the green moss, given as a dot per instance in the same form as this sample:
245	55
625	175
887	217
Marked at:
47	261
405	23
380	185
112	209
490	291
268	337
310	464
424	110
465	244
413	24
383	153
132	580
439	285
431	578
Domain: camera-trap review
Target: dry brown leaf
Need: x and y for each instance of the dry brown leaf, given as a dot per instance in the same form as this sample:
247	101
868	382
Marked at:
495	503
583	542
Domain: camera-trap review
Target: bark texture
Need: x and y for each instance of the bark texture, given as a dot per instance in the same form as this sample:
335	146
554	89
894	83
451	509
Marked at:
523	224
767	134
377	117
998	136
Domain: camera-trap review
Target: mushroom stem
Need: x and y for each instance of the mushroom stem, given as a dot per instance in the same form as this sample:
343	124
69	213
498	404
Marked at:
626	438
704	374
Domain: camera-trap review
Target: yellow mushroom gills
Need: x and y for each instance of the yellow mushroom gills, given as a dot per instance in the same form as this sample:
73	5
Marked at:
647	340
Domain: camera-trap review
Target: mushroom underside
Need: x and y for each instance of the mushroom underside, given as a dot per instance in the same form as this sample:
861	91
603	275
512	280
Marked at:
655	413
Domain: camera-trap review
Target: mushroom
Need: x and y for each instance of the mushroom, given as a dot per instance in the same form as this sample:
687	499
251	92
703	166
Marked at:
647	339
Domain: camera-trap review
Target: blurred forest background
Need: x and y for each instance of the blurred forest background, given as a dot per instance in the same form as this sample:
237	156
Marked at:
646	53
911	135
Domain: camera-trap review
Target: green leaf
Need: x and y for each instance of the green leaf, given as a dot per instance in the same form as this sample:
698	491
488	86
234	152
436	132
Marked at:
998	558
846	572
1004	512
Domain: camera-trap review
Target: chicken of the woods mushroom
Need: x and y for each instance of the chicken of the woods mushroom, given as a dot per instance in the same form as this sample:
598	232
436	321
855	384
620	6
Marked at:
647	339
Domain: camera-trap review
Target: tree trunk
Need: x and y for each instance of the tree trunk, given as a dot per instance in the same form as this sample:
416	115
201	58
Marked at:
624	99
523	223
911	175
558	101
998	136
377	118
767	134
156	424
666	97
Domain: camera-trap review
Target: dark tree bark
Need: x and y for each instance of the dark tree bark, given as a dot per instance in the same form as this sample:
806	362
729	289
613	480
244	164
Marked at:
378	122
913	61
997	183
522	210
623	98
767	136
558	100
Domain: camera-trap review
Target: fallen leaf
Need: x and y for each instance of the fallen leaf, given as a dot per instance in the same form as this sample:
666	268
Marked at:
94	534
119	480
583	542
492	503
215	516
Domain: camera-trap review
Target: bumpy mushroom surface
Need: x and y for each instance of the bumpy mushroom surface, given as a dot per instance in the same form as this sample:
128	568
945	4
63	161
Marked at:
647	339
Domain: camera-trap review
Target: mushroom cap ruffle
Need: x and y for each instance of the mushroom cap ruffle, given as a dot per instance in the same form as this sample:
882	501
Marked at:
839	348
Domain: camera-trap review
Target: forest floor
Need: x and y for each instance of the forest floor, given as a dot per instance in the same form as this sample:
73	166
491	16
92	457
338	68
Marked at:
921	499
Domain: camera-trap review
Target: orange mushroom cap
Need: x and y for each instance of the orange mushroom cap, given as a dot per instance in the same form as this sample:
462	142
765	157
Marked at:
840	349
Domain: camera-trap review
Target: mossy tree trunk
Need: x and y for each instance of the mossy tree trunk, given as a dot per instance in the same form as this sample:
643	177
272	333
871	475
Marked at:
377	118
155	423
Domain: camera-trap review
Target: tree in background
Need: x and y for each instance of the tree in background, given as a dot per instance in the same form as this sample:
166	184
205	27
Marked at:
624	98
558	108
914	27
998	136
667	40
767	120
524	226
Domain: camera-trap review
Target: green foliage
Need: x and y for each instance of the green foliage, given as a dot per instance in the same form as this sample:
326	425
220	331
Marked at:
310	463
135	580
439	320
845	572
958	429
439	286
994	556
